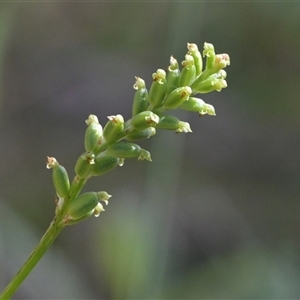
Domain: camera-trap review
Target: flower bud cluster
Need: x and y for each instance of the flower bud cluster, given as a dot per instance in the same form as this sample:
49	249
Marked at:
105	148
177	88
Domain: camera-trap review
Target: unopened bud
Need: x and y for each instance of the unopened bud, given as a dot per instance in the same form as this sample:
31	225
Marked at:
172	76
158	88
209	52
172	123
144	119
177	97
113	128
93	133
136	135
123	150
60	177
212	83
104	164
82	205
140	102
193	50
199	106
188	73
85	164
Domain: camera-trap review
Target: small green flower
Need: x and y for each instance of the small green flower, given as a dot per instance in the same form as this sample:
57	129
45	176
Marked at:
113	128
173	123
172	76
123	150
209	52
188	73
193	50
198	105
104	164
140	102
158	88
82	205
84	164
143	120
177	97
214	82
136	135
59	176
93	133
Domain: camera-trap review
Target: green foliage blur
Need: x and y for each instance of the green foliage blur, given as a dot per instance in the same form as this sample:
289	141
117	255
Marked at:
216	214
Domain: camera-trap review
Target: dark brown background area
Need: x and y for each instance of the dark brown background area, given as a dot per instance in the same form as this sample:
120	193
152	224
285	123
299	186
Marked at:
216	214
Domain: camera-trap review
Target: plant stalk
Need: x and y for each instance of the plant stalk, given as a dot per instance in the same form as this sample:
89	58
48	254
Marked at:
46	241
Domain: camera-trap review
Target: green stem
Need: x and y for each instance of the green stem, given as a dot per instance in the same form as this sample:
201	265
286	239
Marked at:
50	235
46	241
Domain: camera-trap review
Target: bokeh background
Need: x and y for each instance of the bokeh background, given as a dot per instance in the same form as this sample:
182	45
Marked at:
216	214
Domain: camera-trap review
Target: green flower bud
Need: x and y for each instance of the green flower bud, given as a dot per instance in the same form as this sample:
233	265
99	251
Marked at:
168	122
198	63
172	123
144	119
113	128
188	73
140	102
209	52
158	88
198	105
82	205
93	133
96	212
177	97
172	76
123	150
140	134
214	82
60	177
85	164
104	164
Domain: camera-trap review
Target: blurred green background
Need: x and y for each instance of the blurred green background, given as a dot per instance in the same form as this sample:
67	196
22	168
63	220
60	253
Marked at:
216	214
